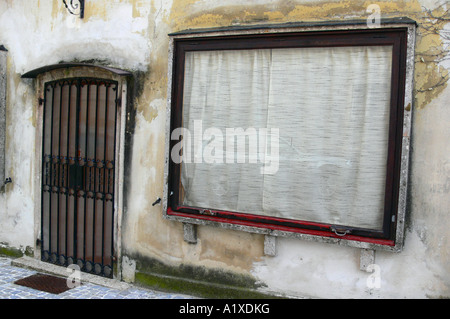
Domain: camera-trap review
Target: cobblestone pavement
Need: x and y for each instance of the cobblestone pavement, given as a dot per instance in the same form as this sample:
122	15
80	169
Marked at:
8	290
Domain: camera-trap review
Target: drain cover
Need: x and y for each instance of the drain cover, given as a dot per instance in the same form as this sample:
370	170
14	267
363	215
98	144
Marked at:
47	283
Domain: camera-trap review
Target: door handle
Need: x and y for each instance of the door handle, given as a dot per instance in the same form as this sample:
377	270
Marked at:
340	231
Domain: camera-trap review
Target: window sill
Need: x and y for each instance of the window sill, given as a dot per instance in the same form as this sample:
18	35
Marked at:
281	231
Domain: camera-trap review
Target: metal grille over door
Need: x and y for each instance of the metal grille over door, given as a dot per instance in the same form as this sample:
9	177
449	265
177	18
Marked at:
78	174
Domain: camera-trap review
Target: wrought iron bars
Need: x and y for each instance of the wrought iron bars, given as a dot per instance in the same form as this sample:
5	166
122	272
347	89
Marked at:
78	173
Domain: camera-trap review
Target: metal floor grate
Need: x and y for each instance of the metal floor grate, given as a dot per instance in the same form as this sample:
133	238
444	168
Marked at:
47	283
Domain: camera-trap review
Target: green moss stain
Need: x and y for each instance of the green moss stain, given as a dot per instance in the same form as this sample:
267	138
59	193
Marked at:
191	272
10	252
196	280
197	288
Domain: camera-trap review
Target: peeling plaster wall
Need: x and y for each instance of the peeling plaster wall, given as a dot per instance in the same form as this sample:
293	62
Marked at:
132	34
42	33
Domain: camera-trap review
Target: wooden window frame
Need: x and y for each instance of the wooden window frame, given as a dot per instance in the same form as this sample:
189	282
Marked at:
400	37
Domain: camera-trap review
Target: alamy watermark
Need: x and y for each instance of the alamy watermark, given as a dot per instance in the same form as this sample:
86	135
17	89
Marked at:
213	145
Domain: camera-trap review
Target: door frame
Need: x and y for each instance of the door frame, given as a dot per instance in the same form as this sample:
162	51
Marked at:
52	73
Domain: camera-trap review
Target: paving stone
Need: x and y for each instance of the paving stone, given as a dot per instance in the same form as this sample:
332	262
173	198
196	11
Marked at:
8	290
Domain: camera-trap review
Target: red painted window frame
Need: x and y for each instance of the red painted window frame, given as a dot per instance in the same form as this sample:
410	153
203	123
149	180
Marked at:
397	37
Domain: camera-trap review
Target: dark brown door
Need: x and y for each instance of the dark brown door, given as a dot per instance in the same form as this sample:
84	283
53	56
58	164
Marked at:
79	135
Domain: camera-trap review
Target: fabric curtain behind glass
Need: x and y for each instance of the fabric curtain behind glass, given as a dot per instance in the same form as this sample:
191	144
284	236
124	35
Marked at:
331	109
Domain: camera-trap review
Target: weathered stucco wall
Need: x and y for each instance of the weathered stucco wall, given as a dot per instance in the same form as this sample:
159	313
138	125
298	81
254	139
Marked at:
2	113
132	34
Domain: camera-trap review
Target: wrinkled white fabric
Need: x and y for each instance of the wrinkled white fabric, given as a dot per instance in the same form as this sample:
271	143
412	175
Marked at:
331	108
